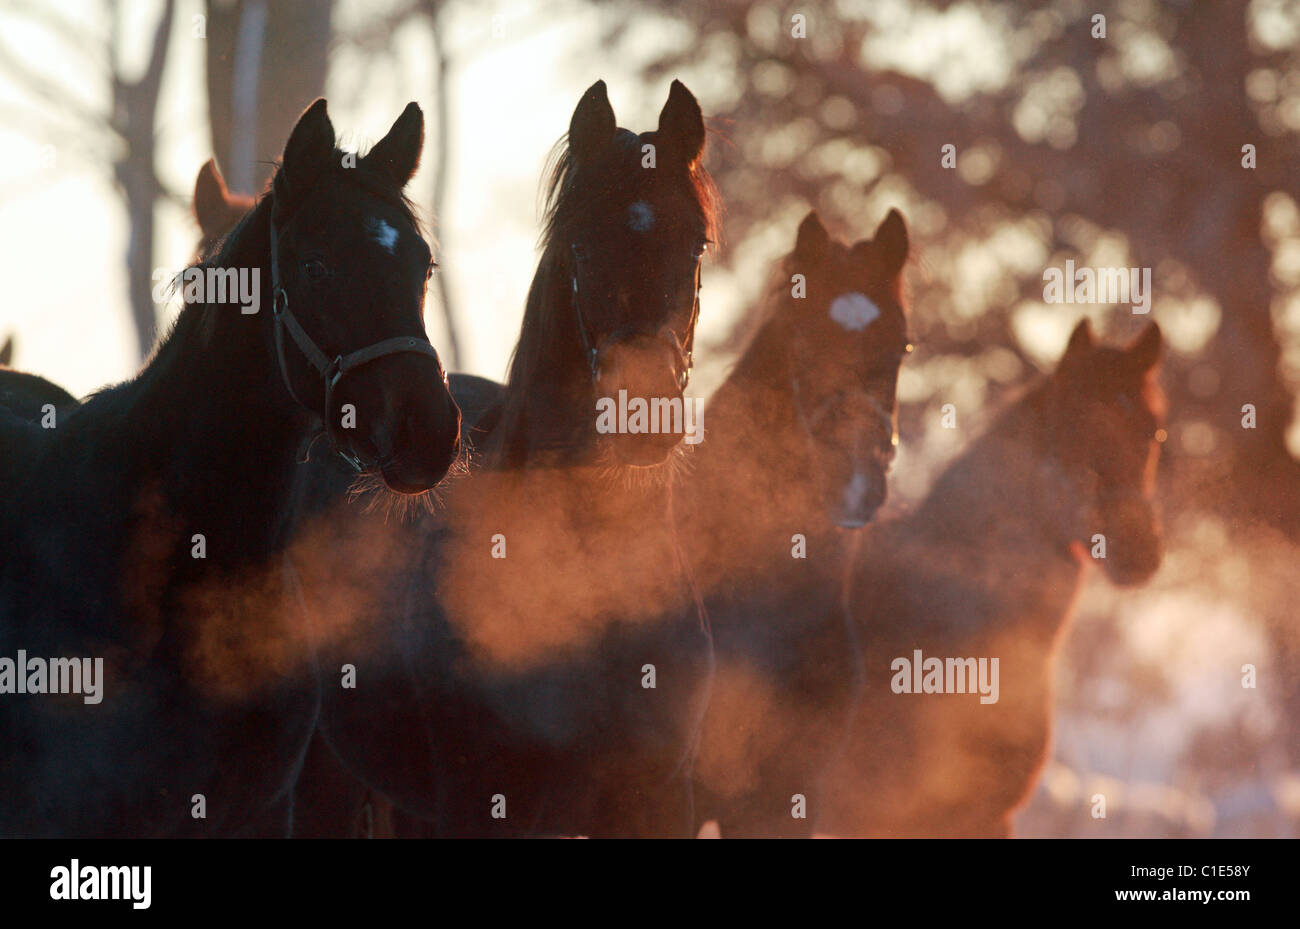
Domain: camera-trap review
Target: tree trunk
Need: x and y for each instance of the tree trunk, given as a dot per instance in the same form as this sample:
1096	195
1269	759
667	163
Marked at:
135	106
266	62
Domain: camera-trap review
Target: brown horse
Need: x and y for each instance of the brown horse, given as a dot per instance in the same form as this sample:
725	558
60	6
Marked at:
542	646
987	569
216	209
800	438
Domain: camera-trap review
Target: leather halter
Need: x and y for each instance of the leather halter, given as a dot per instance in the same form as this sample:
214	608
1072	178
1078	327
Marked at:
685	353
331	372
806	419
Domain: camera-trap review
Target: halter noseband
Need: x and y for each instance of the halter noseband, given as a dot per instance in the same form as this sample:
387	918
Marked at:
685	353
331	372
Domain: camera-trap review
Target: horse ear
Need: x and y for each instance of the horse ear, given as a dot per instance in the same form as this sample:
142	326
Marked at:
7	351
398	153
1144	353
812	239
592	126
681	124
309	149
891	243
211	198
1080	340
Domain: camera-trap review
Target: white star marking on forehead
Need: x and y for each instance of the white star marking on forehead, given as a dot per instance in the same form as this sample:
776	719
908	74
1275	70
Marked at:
640	217
854	311
382	233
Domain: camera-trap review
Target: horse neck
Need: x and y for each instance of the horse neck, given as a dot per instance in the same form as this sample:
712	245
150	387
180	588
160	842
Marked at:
753	467
1001	510
210	419
543	419
751	487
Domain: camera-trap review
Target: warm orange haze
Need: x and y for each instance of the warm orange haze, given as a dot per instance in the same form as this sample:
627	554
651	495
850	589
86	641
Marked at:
650	419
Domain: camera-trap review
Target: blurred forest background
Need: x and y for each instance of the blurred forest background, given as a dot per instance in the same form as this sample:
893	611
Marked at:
1115	151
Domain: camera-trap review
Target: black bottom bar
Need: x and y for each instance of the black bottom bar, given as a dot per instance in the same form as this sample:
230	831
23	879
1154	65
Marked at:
259	878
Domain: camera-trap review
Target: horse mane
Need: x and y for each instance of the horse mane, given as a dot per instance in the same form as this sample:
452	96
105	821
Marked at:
756	333
1019	422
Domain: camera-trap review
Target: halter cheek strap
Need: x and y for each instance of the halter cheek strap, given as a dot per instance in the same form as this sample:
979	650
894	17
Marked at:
588	351
331	372
686	352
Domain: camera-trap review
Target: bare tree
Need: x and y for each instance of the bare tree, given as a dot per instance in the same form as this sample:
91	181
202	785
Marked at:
1158	160
266	62
135	107
375	40
123	138
443	120
1077	136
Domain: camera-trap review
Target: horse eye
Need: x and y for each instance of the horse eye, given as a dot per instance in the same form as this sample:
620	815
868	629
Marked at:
700	248
315	269
433	266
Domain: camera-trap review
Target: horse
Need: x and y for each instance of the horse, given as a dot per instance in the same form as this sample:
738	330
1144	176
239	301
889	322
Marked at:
216	209
542	665
147	529
801	437
987	568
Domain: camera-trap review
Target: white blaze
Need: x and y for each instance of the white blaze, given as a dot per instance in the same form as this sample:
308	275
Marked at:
382	233
640	217
854	311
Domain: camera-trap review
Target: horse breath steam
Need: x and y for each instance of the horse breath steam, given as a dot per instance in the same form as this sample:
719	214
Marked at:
25	675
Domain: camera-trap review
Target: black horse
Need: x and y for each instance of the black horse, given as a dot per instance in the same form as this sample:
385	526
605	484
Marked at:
539	667
145	528
801	437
